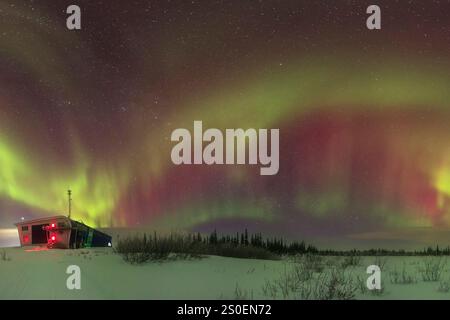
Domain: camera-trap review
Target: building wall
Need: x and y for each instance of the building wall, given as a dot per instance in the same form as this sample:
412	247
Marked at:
61	236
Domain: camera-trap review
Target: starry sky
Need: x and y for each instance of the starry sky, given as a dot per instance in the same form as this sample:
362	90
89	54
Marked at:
363	115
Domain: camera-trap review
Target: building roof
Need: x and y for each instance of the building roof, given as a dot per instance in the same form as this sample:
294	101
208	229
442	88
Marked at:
40	220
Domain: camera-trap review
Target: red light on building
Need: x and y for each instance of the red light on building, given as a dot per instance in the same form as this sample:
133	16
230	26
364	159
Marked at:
26	238
53	238
53	225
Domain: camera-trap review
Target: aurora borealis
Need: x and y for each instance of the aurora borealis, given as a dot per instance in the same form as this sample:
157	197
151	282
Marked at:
363	115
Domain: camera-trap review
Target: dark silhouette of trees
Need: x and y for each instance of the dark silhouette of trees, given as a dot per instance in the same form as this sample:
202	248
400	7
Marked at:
280	246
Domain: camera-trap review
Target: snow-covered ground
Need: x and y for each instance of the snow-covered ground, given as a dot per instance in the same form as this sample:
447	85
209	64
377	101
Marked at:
104	275
33	274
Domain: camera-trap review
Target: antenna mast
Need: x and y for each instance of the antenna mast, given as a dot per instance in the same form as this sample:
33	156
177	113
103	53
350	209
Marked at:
69	193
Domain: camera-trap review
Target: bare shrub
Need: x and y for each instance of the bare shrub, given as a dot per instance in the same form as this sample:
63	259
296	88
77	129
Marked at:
352	260
333	284
444	286
330	262
432	268
302	272
4	256
242	294
312	263
270	289
381	262
402	277
137	250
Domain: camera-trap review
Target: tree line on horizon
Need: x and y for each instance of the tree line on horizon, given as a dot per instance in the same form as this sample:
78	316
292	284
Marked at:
280	246
139	249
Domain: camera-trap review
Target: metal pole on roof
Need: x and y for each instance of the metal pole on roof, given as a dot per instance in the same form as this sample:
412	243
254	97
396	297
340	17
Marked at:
69	193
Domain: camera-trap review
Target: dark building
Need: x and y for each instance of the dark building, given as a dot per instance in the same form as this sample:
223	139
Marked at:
61	232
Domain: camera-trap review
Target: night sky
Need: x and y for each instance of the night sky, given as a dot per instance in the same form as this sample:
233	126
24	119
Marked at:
363	115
